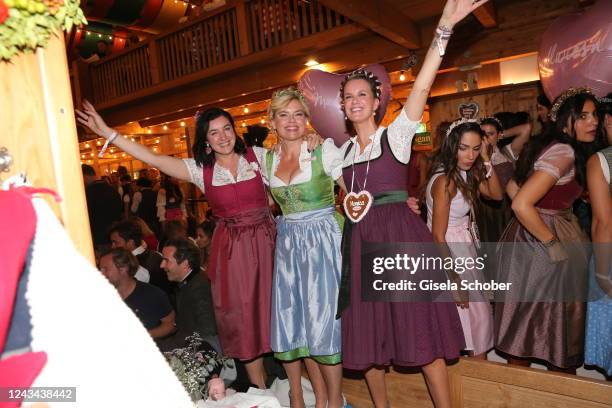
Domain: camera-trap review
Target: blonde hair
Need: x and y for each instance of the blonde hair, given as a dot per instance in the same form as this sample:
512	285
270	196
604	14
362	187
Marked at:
282	98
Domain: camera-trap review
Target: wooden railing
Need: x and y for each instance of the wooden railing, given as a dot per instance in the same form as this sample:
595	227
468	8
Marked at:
201	45
274	22
239	28
121	74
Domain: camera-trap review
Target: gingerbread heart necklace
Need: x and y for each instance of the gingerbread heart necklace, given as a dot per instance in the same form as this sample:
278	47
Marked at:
357	205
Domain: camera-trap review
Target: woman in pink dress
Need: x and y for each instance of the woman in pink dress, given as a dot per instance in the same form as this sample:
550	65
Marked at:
461	172
242	254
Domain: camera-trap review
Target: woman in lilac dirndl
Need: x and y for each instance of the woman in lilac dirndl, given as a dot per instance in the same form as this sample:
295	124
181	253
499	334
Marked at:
375	334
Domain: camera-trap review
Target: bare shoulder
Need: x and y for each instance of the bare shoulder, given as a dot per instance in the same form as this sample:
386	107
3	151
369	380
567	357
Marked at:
442	185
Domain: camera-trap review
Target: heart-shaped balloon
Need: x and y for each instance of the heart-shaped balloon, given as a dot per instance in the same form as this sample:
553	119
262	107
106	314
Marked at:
322	93
576	51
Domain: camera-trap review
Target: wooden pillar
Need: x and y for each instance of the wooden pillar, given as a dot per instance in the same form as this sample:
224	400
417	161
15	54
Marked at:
40	133
81	82
154	61
243	28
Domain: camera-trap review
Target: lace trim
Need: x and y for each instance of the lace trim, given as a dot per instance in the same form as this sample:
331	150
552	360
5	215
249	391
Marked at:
400	134
221	175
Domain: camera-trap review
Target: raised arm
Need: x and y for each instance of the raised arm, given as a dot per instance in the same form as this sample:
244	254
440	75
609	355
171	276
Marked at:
521	134
454	11
172	166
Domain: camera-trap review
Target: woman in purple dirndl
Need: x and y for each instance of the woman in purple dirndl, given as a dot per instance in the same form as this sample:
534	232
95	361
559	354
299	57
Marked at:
375	334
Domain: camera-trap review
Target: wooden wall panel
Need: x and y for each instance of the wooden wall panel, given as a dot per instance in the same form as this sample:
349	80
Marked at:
509	98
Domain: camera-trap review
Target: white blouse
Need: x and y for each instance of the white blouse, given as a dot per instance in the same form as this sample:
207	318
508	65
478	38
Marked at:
399	133
557	161
221	175
332	165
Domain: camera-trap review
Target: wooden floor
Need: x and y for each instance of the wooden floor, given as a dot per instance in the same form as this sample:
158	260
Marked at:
483	384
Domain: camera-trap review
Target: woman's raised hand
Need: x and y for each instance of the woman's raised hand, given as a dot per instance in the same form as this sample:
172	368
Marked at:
91	119
486	149
457	10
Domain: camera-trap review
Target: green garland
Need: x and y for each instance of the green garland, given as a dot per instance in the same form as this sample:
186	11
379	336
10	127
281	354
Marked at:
28	24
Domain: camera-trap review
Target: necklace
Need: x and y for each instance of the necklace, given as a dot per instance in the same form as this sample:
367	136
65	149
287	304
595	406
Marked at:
357	205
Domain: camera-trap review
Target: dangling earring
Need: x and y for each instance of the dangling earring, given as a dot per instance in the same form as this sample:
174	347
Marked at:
207	148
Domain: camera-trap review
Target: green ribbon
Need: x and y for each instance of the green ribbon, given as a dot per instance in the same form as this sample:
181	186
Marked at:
303	352
388	197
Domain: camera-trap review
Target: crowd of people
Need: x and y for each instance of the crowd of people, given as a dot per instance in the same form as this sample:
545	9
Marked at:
252	285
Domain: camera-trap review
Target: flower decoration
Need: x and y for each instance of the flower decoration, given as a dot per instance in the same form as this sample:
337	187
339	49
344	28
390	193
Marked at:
194	367
26	25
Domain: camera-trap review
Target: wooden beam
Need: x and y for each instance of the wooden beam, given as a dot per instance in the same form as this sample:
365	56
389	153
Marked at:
381	17
258	80
299	47
486	15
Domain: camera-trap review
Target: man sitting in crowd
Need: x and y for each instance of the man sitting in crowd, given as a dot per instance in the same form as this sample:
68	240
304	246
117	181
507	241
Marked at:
149	303
193	299
128	234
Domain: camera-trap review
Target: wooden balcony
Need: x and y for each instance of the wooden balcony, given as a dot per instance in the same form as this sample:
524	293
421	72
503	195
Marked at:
206	46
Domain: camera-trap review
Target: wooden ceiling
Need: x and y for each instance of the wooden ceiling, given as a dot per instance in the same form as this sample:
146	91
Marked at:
418	10
390	29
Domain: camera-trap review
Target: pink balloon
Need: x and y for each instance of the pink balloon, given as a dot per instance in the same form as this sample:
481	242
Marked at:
322	93
576	51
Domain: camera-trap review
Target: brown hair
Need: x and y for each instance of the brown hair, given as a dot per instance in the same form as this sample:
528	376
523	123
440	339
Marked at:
122	258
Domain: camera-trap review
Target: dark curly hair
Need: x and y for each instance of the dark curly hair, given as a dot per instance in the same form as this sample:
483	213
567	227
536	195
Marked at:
202	124
375	87
569	110
445	161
